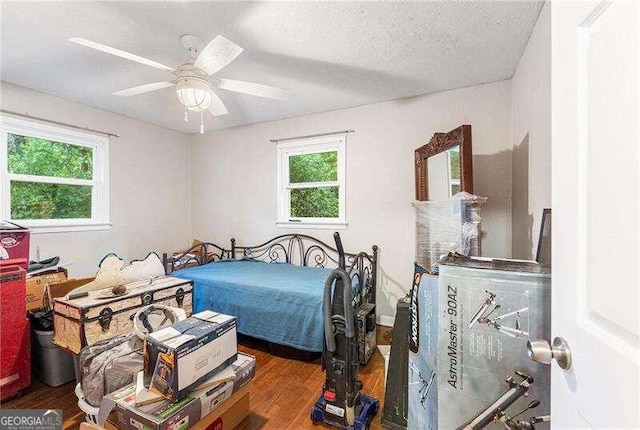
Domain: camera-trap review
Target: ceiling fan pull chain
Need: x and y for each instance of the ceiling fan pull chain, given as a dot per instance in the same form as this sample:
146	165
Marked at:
201	122
186	114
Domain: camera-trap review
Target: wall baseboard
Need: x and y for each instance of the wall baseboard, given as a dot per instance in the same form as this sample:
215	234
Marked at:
386	320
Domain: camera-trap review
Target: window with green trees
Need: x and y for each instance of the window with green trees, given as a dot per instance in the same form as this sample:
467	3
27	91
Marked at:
312	180
49	176
454	170
40	158
320	201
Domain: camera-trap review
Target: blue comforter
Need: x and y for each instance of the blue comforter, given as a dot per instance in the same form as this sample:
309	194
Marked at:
277	302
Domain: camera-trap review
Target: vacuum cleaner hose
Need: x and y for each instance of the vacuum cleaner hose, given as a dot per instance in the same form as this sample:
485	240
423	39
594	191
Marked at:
349	331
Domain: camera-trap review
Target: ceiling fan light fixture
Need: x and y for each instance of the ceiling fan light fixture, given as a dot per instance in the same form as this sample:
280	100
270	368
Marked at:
194	93
194	88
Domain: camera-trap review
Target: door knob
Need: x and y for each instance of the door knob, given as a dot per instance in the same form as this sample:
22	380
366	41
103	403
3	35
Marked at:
541	352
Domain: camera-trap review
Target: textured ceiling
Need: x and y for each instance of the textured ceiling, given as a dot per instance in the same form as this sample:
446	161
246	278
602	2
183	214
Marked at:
329	55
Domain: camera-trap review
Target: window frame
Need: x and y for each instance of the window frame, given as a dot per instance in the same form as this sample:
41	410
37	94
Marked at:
100	179
302	146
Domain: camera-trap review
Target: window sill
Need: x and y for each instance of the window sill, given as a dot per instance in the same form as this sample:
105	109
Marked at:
41	229
321	225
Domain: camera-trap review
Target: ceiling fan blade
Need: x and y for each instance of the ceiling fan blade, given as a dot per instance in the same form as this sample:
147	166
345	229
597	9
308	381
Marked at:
141	89
217	54
216	107
119	53
254	89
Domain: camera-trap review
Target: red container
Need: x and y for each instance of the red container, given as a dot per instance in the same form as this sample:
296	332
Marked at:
15	342
14	242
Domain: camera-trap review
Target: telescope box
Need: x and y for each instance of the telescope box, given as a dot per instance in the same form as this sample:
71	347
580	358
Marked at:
180	357
468	343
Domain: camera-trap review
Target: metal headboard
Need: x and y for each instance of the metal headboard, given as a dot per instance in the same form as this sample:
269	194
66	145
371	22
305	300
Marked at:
297	249
197	255
304	250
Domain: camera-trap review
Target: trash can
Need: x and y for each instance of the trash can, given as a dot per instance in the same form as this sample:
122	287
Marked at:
51	364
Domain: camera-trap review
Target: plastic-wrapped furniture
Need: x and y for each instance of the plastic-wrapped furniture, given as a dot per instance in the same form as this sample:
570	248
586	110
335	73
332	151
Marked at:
448	225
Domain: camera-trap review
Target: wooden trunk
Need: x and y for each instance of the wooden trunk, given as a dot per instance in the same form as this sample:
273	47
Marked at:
87	320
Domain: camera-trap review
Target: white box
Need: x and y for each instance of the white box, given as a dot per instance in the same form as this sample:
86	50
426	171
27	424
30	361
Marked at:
468	361
180	357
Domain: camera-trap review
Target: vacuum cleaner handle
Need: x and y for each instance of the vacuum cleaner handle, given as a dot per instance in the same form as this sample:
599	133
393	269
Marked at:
341	260
347	296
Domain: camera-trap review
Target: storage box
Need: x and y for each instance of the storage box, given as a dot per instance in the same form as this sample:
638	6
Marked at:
61	289
168	415
15	359
37	285
199	408
15	351
468	343
87	320
245	369
423	351
14	242
180	357
227	416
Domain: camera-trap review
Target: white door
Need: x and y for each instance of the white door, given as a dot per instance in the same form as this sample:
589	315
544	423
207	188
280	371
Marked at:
596	213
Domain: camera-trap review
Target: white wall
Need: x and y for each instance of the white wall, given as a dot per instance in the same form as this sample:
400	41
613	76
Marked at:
234	175
531	128
150	184
163	194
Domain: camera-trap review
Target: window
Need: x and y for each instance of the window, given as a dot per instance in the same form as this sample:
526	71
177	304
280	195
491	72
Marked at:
311	182
454	170
53	178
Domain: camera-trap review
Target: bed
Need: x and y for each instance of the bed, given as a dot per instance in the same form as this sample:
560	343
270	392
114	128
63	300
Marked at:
275	289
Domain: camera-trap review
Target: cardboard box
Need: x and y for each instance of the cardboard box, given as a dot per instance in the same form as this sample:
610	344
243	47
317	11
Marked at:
181	357
14	242
226	417
229	415
63	288
423	355
167	415
201	406
468	343
245	369
240	373
37	285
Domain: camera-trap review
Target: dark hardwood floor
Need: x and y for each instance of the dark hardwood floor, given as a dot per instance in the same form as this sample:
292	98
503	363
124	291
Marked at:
283	393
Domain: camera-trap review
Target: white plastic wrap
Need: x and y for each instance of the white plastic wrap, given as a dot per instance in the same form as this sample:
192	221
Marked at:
447	225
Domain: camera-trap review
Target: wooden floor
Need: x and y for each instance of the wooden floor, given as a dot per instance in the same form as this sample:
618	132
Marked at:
283	392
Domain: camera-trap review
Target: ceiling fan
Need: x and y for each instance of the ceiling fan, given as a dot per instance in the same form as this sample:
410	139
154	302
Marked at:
193	81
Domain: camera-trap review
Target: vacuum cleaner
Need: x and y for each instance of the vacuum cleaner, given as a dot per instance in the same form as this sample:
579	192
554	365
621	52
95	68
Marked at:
341	403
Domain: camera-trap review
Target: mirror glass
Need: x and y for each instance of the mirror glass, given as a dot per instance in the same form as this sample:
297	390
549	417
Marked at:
443	174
